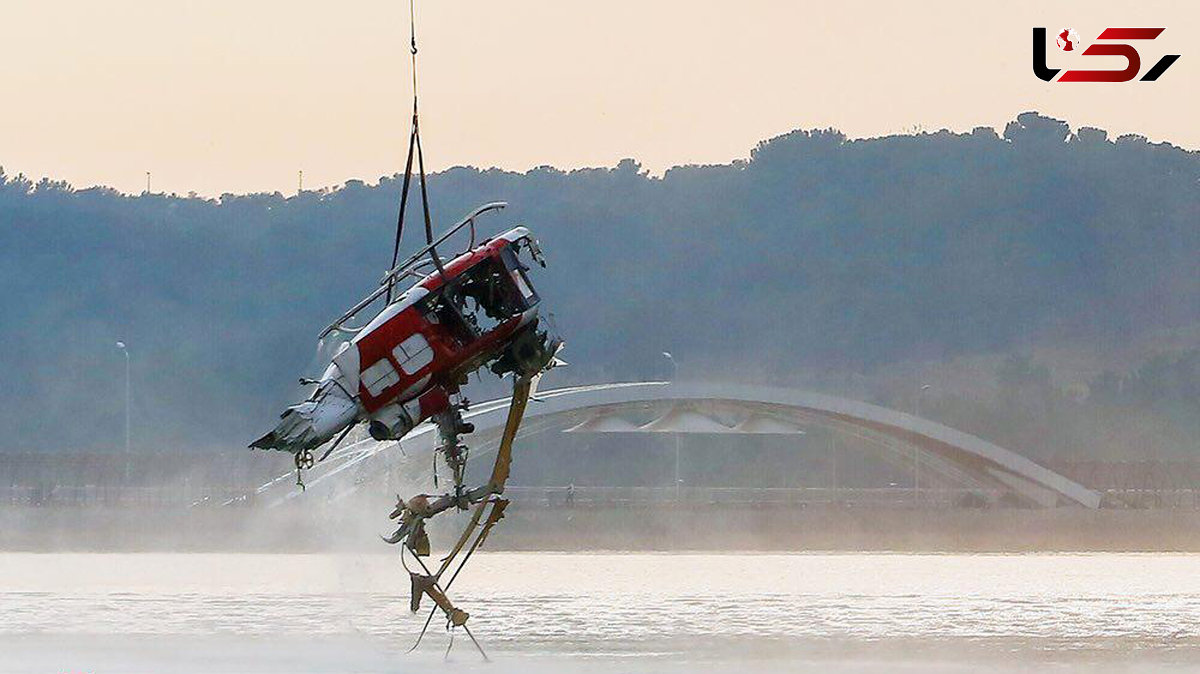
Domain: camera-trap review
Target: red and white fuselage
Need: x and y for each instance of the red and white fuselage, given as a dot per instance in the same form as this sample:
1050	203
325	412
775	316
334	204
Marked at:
406	363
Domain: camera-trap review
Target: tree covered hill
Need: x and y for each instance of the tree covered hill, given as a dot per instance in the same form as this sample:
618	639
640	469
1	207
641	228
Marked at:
817	253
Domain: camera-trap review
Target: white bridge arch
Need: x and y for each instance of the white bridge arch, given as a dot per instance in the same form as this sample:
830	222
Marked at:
688	407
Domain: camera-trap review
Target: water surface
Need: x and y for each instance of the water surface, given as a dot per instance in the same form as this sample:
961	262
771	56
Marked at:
603	612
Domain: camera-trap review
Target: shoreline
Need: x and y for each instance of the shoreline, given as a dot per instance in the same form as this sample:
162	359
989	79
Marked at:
740	529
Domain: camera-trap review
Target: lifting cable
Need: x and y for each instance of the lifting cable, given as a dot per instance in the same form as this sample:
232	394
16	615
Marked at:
414	144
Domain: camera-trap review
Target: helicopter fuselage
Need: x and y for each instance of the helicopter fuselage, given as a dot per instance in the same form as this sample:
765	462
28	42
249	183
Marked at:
405	364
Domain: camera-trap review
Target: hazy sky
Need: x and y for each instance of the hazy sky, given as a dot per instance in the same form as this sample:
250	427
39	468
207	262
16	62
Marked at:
223	95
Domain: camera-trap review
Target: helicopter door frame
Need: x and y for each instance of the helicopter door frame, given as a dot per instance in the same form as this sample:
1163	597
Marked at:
510	300
517	270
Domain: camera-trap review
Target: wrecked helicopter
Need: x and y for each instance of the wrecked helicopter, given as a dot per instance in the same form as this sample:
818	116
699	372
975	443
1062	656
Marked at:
408	363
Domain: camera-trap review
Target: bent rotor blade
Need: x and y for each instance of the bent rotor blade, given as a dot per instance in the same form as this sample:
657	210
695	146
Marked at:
476	642
462	540
423	630
516	411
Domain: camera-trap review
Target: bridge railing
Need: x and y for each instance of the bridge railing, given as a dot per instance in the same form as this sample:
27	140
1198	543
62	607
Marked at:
558	496
184	496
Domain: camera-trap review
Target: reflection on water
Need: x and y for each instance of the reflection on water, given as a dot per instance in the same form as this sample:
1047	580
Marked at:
627	605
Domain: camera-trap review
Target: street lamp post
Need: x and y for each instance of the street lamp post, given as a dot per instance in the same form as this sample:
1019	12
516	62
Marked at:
674	367
125	350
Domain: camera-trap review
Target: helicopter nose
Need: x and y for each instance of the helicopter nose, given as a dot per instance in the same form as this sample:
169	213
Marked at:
265	442
310	424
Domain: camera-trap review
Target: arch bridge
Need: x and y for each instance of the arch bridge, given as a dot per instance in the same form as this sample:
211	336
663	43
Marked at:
946	454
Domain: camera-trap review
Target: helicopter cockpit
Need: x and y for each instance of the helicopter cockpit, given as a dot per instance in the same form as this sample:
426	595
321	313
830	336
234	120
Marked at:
484	297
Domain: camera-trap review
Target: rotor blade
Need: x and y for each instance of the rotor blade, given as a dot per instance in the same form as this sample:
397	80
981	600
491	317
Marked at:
494	517
462	540
423	630
516	412
474	641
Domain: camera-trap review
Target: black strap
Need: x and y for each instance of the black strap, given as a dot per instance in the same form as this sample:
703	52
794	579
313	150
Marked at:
414	143
403	202
437	261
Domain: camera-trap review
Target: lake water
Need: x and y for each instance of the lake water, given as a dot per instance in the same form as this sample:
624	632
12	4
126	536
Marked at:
604	613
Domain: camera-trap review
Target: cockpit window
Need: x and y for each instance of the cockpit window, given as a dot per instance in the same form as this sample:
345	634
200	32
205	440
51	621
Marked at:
479	300
413	354
379	376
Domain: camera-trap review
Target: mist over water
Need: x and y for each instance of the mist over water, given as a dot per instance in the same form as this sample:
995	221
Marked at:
602	612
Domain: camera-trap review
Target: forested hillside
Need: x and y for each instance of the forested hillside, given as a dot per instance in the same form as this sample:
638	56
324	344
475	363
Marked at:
817	255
